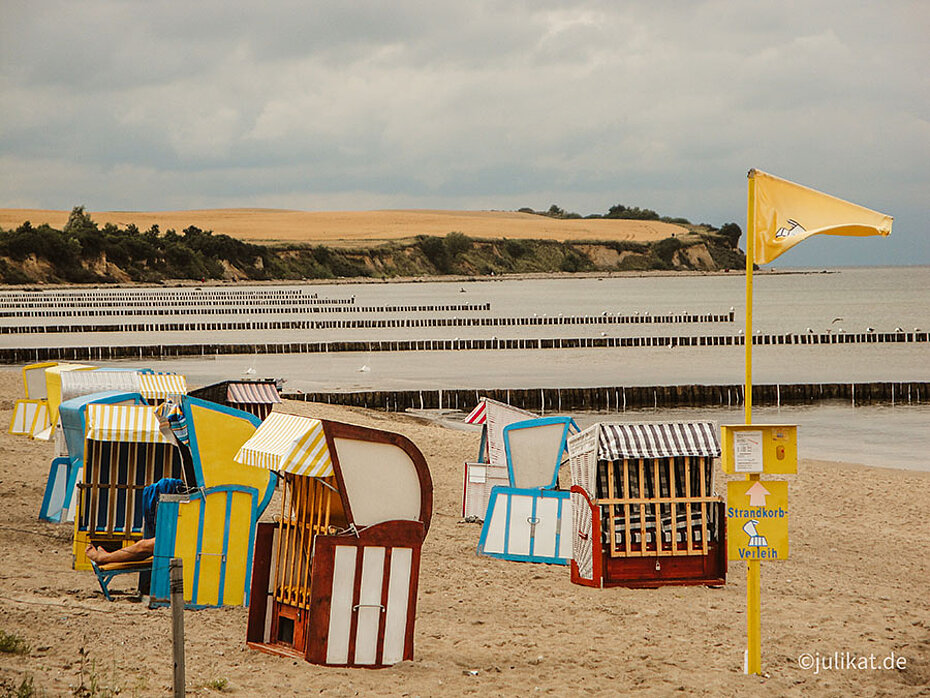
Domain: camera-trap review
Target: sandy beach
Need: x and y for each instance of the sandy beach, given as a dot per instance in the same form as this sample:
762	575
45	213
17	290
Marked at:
856	582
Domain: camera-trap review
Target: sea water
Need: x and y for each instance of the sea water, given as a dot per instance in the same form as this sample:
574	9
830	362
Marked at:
846	300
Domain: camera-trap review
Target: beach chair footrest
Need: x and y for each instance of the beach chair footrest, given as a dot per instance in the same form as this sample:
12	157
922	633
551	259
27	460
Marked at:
106	573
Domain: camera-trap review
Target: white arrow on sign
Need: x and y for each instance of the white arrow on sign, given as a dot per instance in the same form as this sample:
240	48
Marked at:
757	494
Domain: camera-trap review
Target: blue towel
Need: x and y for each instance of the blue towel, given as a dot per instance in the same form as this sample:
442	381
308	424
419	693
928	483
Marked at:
150	495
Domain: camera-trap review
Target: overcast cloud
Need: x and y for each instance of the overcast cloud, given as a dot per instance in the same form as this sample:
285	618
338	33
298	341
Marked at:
471	105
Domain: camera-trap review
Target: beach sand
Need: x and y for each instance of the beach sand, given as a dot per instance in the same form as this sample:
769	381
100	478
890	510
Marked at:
856	581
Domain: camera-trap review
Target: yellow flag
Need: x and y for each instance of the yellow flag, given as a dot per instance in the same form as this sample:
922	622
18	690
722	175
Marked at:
785	213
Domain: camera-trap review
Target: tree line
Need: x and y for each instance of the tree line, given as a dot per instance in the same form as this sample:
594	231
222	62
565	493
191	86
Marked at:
83	252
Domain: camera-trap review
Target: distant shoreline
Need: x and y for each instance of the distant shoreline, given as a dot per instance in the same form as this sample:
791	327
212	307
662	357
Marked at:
455	278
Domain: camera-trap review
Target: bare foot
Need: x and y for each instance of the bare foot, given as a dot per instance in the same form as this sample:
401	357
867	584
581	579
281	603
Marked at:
94	554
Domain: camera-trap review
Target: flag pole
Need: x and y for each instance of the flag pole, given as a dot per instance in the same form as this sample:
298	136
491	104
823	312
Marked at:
750	253
753	571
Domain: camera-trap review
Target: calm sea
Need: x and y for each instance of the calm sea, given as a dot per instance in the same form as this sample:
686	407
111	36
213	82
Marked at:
845	300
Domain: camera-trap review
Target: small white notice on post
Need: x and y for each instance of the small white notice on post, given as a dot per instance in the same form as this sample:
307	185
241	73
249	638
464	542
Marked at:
747	451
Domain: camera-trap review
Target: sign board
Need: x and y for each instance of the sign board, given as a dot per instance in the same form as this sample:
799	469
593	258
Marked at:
757	520
759	448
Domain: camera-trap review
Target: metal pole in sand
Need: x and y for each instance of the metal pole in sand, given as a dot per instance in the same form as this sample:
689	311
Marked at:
176	579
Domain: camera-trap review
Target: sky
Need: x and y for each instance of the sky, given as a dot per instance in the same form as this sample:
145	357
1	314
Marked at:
298	104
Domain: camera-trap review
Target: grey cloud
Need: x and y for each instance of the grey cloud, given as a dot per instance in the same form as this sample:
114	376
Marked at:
660	104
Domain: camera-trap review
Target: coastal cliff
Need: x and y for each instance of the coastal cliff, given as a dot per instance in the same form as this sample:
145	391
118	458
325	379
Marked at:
82	252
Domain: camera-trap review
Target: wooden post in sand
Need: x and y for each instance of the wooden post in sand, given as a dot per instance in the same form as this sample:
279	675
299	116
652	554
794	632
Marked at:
176	579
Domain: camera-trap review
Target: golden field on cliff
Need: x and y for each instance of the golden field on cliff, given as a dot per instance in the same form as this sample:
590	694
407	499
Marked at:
361	227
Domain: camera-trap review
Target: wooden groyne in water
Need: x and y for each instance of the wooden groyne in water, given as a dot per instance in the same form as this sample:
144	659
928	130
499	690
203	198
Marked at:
17	355
408	323
621	398
236	308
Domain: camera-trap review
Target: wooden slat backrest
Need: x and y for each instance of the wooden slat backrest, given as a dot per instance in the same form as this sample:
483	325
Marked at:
115	474
306	511
648	499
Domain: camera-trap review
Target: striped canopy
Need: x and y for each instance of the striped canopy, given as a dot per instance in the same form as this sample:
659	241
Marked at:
290	444
496	411
132	423
659	440
252	393
479	415
158	386
77	383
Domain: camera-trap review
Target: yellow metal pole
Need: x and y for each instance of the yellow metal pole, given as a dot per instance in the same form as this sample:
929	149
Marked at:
753	571
750	253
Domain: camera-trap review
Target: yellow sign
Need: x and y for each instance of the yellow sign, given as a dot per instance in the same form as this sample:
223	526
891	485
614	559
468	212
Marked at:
759	448
757	520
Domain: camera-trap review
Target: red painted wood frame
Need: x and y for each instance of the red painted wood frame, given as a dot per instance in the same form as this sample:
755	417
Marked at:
654	571
597	555
311	630
390	535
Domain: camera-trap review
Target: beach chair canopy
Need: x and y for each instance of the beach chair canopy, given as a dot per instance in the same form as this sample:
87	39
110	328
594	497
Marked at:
252	393
668	440
123	423
289	443
614	442
495	416
77	383
159	386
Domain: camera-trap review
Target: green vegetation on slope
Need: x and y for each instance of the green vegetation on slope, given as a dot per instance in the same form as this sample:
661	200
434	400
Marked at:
84	253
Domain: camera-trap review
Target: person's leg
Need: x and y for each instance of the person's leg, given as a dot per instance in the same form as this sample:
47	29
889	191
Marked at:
139	550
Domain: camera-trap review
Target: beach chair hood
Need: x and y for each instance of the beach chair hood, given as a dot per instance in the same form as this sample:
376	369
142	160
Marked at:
381	476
